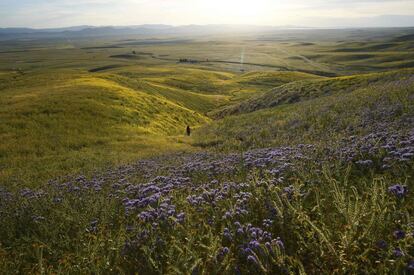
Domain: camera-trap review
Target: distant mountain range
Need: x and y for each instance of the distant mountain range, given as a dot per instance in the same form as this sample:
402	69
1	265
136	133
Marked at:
29	30
148	29
92	31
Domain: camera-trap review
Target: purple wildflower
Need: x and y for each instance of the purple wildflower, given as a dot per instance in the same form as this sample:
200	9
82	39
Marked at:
267	223
253	260
399	234
398	252
289	191
382	244
279	243
410	265
181	217
398	190
222	253
227	235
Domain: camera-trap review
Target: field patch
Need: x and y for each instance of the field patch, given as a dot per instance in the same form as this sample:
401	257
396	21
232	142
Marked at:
105	68
102	47
126	56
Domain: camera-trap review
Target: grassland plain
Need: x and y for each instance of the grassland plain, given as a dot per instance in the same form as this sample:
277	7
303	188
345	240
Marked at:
301	173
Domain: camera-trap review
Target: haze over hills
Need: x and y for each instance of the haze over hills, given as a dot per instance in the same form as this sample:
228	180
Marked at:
93	31
160	29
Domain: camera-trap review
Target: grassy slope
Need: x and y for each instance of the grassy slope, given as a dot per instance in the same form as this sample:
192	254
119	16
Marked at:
273	79
67	122
64	124
310	89
358	55
198	102
315	112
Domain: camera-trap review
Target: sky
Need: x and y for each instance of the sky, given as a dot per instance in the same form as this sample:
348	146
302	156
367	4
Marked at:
306	13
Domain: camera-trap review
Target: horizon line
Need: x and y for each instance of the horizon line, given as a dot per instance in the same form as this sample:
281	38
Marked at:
288	26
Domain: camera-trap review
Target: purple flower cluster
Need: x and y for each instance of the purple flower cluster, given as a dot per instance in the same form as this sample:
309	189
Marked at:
162	214
4	195
222	253
398	252
262	158
213	193
93	227
398	190
399	234
31	194
252	243
410	265
382	244
392	148
143	195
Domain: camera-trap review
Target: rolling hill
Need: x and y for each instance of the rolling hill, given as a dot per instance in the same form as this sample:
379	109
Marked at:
65	122
311	89
314	111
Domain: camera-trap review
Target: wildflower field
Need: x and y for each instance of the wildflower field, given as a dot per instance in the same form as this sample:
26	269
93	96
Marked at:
286	173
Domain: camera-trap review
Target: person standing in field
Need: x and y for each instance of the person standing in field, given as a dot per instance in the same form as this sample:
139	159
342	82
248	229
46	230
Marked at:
188	131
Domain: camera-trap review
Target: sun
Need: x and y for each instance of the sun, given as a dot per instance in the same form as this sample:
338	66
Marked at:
239	11
239	8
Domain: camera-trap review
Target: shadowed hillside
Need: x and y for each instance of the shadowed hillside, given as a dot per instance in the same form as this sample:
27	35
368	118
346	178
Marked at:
316	112
311	89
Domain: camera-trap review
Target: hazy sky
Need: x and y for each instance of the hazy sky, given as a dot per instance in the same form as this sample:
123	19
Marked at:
318	13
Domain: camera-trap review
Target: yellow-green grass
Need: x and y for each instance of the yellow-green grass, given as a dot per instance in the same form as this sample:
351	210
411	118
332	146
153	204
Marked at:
76	124
197	80
65	122
199	102
273	79
72	121
153	84
199	89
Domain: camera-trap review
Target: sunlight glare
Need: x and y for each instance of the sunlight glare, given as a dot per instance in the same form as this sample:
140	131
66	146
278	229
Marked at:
246	11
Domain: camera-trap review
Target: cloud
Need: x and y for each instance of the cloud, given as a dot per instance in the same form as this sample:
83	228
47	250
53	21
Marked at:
56	13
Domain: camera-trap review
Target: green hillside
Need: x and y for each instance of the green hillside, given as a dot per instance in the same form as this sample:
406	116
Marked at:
314	111
273	79
64	122
61	124
311	89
